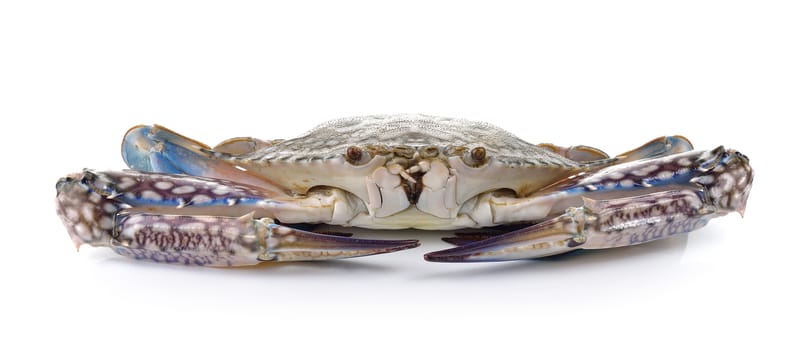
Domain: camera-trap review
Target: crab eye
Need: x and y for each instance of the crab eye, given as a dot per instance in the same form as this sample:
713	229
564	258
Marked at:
354	154
475	157
478	154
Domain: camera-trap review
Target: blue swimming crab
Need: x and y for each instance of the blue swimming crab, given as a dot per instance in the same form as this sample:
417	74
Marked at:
248	200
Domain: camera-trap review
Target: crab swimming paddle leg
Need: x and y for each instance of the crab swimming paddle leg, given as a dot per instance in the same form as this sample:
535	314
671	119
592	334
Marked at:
159	149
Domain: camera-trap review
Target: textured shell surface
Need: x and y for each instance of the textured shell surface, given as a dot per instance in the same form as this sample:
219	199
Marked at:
332	138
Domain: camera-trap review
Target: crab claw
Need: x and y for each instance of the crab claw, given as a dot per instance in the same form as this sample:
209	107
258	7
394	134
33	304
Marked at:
289	244
193	221
552	237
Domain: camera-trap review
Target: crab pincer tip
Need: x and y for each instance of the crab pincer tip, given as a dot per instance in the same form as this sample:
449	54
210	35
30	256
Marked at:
446	256
471	252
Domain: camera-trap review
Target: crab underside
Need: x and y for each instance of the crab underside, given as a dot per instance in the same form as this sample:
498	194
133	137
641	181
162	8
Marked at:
243	201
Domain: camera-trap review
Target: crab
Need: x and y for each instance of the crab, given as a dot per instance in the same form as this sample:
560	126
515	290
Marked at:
248	200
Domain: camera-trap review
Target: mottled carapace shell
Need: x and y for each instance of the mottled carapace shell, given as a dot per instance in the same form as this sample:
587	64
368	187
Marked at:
333	138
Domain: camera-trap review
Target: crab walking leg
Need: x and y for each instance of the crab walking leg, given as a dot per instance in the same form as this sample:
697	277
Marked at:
703	185
180	219
658	147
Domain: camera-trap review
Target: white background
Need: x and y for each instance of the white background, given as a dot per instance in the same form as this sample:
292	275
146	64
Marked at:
74	76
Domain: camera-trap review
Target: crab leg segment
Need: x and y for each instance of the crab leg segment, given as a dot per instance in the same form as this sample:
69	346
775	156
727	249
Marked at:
710	184
191	240
187	220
